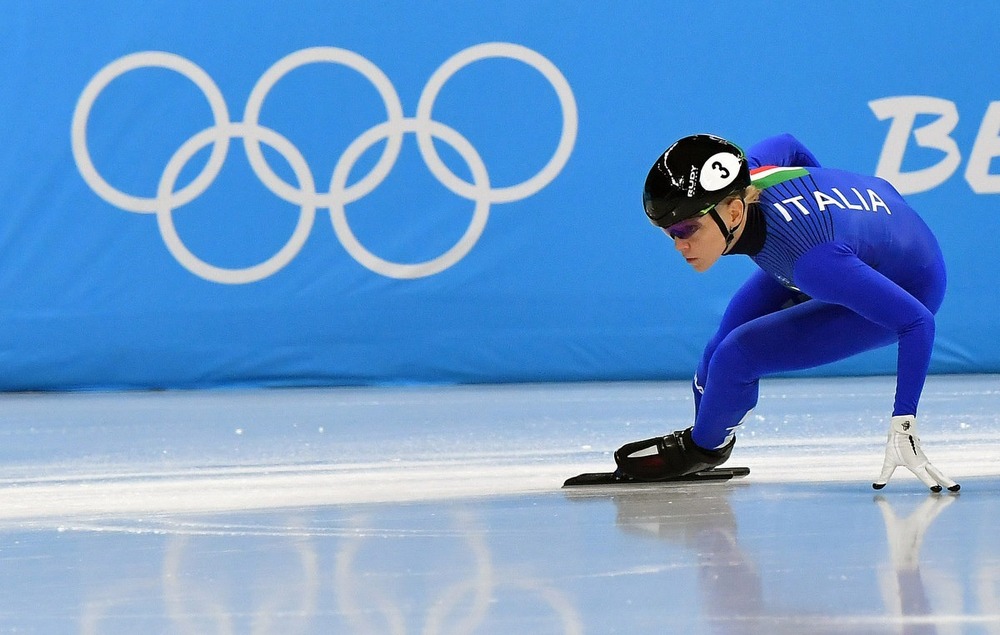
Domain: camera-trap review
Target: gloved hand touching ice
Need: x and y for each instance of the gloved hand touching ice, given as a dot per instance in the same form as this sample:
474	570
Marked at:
902	447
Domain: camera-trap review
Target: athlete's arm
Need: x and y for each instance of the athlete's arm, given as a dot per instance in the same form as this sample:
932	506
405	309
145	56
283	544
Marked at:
782	150
832	272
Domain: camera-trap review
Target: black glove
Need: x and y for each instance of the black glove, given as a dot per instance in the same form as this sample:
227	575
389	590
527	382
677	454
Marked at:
667	457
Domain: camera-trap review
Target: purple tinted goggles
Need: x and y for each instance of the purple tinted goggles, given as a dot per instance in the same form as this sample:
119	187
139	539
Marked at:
684	229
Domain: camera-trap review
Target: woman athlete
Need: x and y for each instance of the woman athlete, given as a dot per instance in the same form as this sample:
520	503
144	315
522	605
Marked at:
846	266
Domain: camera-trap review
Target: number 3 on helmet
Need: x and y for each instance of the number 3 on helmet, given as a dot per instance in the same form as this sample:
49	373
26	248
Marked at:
691	177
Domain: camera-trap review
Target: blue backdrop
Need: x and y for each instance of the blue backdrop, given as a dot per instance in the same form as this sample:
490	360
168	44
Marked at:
199	194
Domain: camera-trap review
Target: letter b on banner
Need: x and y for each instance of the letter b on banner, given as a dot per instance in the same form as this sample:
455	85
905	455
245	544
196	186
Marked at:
937	136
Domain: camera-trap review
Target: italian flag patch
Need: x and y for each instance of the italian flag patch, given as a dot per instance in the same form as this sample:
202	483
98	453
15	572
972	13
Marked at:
768	175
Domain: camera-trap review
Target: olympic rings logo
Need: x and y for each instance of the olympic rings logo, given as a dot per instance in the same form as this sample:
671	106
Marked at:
305	194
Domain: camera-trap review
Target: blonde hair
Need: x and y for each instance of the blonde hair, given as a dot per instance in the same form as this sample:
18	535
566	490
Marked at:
750	194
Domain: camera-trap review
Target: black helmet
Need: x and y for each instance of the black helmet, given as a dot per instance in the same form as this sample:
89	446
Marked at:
692	176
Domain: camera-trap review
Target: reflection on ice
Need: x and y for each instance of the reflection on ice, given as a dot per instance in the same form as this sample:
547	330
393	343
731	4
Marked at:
904	590
735	572
705	558
439	511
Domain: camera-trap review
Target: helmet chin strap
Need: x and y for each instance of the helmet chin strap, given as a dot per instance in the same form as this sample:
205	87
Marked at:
728	232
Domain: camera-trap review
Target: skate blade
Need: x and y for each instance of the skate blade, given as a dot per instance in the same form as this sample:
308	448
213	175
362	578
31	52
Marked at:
613	478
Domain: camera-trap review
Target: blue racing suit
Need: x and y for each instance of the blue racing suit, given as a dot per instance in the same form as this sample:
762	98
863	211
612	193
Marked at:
846	265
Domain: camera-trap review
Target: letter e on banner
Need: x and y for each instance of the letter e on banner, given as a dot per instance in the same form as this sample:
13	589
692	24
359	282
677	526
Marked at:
984	150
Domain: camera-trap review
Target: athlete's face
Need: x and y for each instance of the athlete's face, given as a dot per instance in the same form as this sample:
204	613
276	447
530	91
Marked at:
699	239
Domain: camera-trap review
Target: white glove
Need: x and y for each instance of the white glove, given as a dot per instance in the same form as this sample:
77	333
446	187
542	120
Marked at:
903	448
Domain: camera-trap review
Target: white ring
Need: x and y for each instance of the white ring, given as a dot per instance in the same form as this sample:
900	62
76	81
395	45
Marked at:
164	210
305	195
540	63
393	110
100	81
480	194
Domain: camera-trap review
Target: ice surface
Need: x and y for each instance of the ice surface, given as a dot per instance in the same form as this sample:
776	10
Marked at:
438	510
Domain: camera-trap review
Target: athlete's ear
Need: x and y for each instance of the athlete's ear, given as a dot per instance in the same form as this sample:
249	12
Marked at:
737	210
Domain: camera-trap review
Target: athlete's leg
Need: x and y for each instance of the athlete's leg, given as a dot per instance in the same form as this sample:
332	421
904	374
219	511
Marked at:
759	295
833	272
804	336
